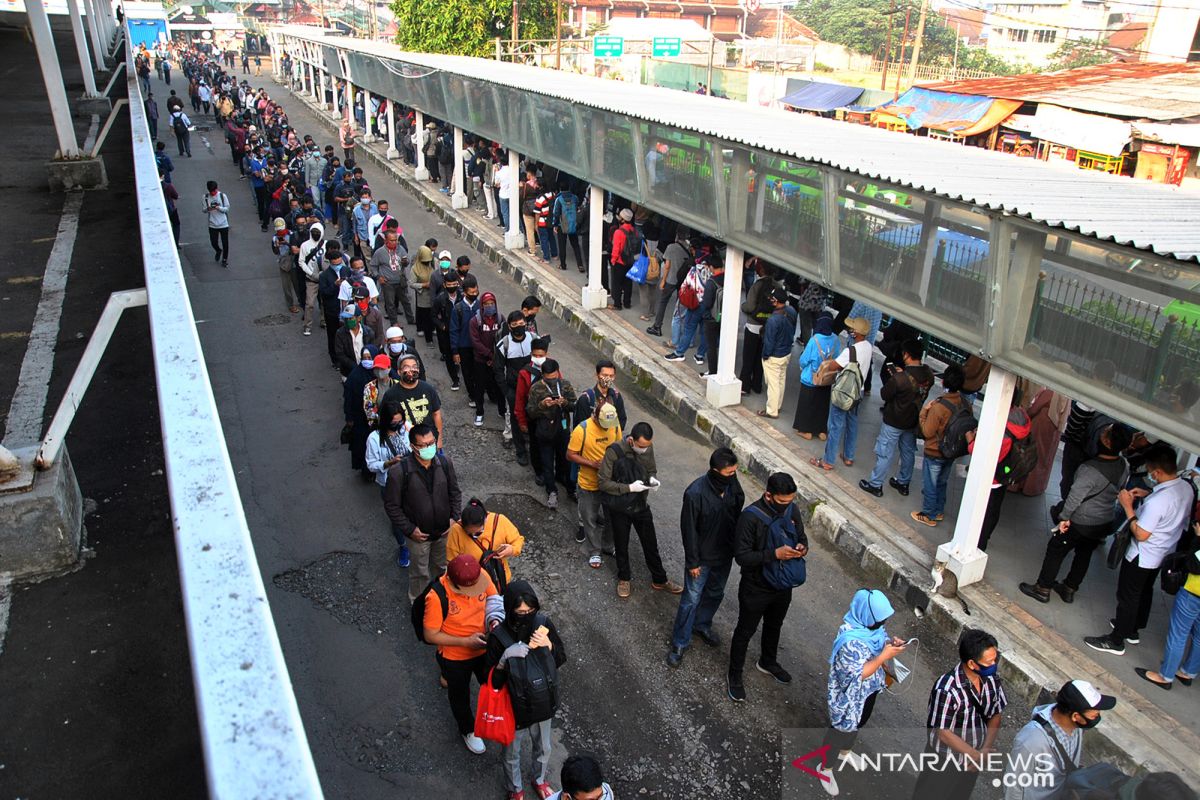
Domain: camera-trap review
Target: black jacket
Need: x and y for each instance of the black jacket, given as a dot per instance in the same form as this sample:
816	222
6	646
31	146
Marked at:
431	500
343	347
585	404
904	394
707	521
442	305
750	547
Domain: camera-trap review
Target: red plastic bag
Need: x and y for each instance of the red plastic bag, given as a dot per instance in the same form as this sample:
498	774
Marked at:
494	714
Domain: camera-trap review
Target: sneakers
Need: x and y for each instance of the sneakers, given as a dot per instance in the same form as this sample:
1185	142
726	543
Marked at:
1035	591
454	387
670	586
708	637
902	488
828	781
624	589
522	460
675	657
1105	644
479	420
870	488
1112	626
698	359
775	671
474	744
924	519
507	434
674	357
580	537
470	404
402	559
307	331
737	689
552	500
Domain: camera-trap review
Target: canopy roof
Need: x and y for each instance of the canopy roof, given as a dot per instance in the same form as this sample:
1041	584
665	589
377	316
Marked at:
822	97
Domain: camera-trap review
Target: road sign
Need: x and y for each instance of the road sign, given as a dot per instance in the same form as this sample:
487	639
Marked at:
608	46
665	46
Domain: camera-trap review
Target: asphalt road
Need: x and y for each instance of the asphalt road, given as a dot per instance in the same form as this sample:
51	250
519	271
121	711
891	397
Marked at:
367	691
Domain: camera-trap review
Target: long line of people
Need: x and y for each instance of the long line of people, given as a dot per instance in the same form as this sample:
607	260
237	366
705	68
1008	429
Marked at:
486	625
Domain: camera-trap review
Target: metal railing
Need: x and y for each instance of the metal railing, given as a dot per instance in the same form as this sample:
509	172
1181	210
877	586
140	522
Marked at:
253	738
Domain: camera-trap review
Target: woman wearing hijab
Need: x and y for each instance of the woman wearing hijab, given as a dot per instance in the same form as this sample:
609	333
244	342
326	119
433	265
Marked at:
812	406
352	407
525	635
856	671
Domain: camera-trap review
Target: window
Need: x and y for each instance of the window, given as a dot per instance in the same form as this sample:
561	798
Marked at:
1045	36
1018	35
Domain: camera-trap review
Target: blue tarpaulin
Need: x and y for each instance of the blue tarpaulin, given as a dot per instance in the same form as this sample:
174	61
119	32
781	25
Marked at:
822	97
958	250
944	111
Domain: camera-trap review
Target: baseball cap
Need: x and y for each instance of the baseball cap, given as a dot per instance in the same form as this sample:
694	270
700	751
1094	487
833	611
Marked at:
382	362
361	291
608	416
393	332
464	573
444	255
779	295
1080	696
280	224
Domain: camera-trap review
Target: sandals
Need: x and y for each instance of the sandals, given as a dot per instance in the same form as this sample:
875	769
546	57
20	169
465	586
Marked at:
763	413
849	462
816	462
804	435
595	562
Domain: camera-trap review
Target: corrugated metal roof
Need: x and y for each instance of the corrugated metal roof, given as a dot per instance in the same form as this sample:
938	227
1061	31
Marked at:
1149	216
1134	90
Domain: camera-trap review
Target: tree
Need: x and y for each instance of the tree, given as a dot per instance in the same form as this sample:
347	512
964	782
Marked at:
468	27
1075	53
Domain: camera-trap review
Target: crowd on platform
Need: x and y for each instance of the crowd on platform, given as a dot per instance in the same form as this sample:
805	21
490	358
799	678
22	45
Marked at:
346	265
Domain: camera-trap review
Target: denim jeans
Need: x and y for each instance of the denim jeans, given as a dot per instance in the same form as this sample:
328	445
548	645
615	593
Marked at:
1185	624
504	211
549	243
885	447
699	602
688	328
934	477
839	422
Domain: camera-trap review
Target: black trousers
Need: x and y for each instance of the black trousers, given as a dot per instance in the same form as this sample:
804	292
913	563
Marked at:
573	238
485	381
458	688
1135	597
844	740
712	336
331	328
552	455
262	199
643	523
518	439
620	287
757	605
443	339
1073	455
665	296
466	358
425	323
950	784
1056	550
219	238
991	515
752	369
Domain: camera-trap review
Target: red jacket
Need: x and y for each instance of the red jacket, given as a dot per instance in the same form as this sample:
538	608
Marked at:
524	381
618	243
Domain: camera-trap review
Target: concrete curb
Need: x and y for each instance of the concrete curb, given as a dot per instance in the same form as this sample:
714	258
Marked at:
1037	661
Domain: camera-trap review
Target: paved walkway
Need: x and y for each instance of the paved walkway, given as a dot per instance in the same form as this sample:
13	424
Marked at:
1048	637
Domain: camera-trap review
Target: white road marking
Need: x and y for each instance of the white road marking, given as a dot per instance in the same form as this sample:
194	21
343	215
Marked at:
24	425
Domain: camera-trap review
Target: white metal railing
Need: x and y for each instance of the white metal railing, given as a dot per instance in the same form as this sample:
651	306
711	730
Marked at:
253	738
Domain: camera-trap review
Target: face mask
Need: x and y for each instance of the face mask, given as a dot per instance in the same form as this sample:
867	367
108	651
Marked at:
489	310
352	323
451	290
780	508
987	672
367	363
366	201
471	297
1088	724
395	426
605	383
409	376
427	453
462	271
537	361
381	374
518	333
639	450
363	304
396	347
875	627
1150	479
719	480
445	266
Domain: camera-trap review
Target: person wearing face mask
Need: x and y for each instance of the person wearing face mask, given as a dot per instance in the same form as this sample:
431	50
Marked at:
512	354
589	441
311	259
442	267
525	646
377	387
371	316
480	532
420	400
548	411
528	375
354	274
711	506
387	446
363	212
282	248
443	307
422	498
605	387
530	307
216	209
965	709
484	330
349	341
388	266
461	313
1051	743
328	286
422	276
352	407
857	670
397	346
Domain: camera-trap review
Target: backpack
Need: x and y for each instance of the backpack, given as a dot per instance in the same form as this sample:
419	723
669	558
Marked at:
418	606
567	218
847	386
691	291
625	471
716	306
781	530
532	680
632	247
177	123
492	566
1021	460
953	441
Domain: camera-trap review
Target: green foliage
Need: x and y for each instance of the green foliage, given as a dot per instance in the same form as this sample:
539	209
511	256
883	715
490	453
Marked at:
468	27
819	67
1080	53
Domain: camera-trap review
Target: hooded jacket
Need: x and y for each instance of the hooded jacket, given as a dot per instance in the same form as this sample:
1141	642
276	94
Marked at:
311	267
461	314
513	628
483	331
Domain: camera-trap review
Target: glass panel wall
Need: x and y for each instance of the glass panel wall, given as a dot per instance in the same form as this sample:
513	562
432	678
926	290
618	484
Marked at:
559	135
610	139
515	112
485	119
679	175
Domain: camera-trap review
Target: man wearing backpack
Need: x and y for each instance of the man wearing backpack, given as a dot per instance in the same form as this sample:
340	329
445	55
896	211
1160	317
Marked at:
626	246
216	208
1084	519
454	606
565	216
548	411
769	535
1050	746
605	390
627	473
903	394
935	471
422	499
757	307
181	125
847	389
710	313
590	440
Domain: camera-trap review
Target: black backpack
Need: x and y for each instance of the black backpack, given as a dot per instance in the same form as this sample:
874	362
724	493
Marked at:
532	680
953	441
418	606
625	471
178	125
632	247
1021	460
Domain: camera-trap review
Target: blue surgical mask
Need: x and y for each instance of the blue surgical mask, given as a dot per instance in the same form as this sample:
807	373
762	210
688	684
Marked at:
987	672
1150	479
367	363
396	347
427	453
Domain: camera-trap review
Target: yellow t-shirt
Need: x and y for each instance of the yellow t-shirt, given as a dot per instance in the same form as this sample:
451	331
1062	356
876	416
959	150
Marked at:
1192	584
590	440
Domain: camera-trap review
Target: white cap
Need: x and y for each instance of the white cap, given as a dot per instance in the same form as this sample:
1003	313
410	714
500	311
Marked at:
393	332
444	255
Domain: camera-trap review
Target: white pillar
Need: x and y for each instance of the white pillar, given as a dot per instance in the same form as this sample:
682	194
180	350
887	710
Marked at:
349	100
459	199
594	294
392	152
421	173
104	15
724	389
369	134
81	47
513	238
312	82
962	555
94	33
60	111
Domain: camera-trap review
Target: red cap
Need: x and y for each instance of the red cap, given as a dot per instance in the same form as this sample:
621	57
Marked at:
463	570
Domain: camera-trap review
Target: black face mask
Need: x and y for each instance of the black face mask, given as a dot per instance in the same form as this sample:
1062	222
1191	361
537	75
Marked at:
518	334
720	481
780	508
522	624
875	627
1088	724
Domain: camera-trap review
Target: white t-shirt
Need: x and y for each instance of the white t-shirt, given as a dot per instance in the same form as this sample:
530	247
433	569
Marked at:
504	181
862	353
1165	513
346	291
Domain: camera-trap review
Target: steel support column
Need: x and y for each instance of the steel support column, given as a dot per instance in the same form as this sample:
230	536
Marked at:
595	296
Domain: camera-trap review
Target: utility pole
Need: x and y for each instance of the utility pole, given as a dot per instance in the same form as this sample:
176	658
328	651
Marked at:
558	34
887	50
903	42
515	25
916	53
954	67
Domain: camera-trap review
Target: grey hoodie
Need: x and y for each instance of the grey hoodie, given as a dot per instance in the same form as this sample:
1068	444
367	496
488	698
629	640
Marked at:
1033	753
312	266
1093	496
606	793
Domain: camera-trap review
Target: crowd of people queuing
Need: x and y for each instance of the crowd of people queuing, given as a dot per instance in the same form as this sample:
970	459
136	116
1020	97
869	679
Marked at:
345	265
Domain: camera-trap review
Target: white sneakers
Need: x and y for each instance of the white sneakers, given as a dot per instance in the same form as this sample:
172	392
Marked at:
507	429
479	420
474	744
830	786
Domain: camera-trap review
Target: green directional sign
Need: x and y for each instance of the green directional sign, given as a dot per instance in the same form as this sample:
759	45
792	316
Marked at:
608	46
666	46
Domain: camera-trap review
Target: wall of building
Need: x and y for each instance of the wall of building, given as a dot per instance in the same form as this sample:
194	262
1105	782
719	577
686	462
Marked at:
1031	32
1173	31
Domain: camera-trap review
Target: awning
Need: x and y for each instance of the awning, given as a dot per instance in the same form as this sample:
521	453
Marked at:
871	99
1180	133
822	97
963	114
1089	132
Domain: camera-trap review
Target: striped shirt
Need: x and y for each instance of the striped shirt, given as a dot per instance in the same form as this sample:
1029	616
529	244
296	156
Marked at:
1078	422
955	706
